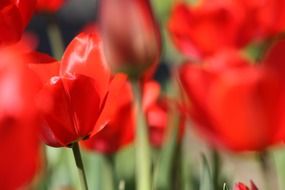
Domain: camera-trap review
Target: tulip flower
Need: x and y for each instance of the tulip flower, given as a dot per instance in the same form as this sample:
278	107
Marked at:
131	36
15	16
241	186
211	26
49	5
235	104
157	110
80	85
19	119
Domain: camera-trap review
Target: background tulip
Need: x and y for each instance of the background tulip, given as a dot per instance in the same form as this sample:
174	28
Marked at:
15	16
19	120
135	46
158	111
235	104
196	30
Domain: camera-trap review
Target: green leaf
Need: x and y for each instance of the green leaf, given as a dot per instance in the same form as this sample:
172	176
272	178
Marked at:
206	182
225	187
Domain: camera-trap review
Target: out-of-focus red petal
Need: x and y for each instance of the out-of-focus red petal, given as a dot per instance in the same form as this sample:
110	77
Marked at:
45	71
11	26
236	121
157	116
252	185
151	92
119	116
196	31
26	8
241	186
112	100
19	134
274	59
49	5
85	56
40	58
75	110
14	17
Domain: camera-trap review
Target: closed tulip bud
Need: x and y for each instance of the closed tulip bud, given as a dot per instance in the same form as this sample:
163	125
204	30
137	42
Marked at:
131	36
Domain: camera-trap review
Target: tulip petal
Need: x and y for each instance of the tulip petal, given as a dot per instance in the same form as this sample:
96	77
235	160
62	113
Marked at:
151	92
275	57
111	102
85	56
75	110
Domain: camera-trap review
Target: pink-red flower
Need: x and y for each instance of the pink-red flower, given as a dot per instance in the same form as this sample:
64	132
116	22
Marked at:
131	35
236	104
19	119
201	30
14	17
80	86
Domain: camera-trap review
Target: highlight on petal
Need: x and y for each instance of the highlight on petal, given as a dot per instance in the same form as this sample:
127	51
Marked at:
85	56
151	92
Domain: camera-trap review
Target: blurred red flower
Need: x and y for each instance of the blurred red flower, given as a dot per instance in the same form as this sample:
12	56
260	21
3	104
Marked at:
19	119
241	186
80	85
236	104
49	5
158	110
135	47
15	16
120	131
211	26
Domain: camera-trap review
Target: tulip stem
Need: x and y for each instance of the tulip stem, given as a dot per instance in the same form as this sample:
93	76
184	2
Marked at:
79	164
143	162
55	38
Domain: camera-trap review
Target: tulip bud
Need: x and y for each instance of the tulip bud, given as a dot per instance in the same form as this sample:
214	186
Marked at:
131	35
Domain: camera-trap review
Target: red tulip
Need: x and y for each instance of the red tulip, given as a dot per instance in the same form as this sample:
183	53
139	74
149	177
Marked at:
215	25
131	35
236	104
49	5
15	16
80	88
158	110
19	121
241	186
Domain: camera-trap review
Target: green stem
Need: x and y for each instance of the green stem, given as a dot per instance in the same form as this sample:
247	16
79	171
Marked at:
142	144
166	162
269	170
216	168
55	38
79	164
110	172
